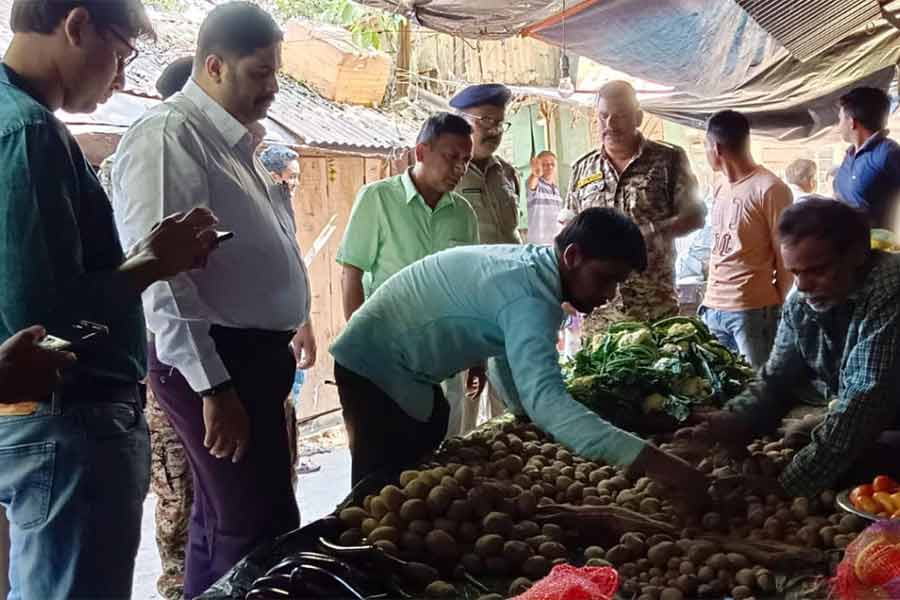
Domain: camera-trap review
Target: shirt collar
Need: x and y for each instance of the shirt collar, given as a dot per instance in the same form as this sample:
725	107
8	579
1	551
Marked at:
231	129
492	162
7	75
411	192
875	139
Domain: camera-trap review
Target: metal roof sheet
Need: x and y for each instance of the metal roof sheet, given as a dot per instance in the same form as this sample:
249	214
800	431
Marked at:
807	27
312	119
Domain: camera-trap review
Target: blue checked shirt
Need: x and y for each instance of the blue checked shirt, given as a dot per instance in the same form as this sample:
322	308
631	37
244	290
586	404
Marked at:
853	348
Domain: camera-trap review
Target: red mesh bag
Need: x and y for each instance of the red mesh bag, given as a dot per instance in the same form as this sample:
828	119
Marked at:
870	569
566	582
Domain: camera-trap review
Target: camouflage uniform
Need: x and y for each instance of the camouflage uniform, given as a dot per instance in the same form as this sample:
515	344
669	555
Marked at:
646	191
170	480
170	477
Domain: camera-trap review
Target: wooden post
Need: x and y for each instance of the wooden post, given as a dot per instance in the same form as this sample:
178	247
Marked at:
404	62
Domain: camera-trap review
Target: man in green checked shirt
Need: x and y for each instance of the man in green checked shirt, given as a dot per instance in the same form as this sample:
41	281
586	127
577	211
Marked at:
840	327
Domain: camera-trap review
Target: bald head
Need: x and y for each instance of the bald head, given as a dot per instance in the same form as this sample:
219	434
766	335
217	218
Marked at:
619	116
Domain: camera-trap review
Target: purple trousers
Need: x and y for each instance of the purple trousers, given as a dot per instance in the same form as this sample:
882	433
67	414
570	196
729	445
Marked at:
236	506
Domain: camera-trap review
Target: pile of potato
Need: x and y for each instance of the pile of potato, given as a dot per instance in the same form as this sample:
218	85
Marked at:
471	511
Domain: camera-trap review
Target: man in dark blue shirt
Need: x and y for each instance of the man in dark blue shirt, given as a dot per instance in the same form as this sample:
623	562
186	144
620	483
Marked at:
869	177
74	464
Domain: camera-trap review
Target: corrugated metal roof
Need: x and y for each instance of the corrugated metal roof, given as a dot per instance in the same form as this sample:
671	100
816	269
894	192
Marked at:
807	27
312	119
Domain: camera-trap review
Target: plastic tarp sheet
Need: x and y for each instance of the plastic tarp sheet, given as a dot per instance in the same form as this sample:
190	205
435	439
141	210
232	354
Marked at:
711	51
717	57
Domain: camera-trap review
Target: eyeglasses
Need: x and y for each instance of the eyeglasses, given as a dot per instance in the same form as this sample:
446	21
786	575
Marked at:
133	53
488	123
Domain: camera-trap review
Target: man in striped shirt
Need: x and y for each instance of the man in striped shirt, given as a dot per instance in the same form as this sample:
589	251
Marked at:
543	199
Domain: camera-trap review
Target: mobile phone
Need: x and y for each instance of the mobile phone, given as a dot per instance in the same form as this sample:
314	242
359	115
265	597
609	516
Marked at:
51	342
83	333
222	236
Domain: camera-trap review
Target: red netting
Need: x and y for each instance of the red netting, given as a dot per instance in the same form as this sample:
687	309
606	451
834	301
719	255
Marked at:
870	569
566	582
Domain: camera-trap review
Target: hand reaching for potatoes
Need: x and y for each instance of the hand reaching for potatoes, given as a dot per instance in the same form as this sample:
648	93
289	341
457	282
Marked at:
686	486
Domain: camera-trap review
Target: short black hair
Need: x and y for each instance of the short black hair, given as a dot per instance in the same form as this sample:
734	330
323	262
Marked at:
440	123
236	30
868	105
605	233
174	76
729	128
825	219
44	16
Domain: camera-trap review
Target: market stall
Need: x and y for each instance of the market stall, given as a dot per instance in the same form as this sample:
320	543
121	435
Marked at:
495	511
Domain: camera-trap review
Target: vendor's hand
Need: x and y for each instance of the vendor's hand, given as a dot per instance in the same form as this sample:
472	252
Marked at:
304	346
29	372
535	166
730	430
475	381
226	425
735	487
179	243
686	486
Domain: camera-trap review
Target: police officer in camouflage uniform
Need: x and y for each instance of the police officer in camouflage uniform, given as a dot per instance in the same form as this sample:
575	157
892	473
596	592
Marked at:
652	183
491	185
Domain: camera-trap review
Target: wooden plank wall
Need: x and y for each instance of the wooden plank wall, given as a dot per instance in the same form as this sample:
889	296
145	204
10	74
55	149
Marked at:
328	186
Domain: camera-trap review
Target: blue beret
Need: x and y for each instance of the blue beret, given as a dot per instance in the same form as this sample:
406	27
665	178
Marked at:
276	158
491	94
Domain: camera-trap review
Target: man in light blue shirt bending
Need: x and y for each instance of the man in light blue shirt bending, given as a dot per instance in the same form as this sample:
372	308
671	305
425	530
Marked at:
457	308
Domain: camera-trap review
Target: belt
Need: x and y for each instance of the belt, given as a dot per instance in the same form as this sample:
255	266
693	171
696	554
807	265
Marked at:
99	390
253	337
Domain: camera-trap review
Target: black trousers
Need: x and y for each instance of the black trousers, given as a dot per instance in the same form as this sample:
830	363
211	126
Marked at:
237	506
382	437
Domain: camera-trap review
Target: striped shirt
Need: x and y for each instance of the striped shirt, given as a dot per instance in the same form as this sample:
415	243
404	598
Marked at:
855	349
544	204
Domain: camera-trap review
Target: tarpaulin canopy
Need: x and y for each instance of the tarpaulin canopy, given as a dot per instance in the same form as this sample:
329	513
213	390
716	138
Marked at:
715	53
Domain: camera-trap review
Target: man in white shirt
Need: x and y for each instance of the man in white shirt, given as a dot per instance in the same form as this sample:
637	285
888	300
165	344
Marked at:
220	362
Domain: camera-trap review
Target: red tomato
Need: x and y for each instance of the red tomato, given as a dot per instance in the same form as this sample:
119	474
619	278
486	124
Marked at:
883	483
861	491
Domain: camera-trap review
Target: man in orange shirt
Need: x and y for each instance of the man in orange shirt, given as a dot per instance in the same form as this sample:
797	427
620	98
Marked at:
747	278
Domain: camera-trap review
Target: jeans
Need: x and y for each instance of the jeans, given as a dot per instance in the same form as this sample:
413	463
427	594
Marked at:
747	332
73	478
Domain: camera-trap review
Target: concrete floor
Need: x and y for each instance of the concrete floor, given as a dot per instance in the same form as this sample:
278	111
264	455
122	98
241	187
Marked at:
317	493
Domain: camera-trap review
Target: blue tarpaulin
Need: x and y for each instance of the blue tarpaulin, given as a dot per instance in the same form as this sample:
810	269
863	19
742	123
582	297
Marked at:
712	52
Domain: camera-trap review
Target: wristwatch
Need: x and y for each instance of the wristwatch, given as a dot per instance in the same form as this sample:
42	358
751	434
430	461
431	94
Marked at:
216	390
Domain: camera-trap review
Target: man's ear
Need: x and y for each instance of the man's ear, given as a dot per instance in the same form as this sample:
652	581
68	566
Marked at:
640	118
214	66
420	152
74	25
571	256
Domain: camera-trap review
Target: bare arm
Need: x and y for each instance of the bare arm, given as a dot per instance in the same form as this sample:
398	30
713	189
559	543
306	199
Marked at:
351	290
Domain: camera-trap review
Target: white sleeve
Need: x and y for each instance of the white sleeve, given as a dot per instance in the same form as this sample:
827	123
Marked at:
160	169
